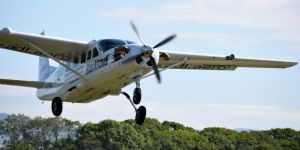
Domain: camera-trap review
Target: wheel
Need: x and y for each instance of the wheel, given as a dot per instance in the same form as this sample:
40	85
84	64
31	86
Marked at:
137	95
56	106
140	115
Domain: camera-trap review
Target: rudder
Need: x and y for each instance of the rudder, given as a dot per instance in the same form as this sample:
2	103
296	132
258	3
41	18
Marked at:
45	70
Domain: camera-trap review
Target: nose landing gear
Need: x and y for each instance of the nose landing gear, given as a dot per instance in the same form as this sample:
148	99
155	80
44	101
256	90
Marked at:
137	94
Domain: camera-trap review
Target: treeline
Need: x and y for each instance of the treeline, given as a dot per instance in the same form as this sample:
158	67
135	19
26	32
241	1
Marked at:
22	132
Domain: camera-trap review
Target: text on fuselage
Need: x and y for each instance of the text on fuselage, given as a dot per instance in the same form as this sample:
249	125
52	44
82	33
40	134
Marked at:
96	64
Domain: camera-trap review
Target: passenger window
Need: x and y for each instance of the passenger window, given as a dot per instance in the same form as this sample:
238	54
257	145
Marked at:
89	55
95	53
83	55
75	60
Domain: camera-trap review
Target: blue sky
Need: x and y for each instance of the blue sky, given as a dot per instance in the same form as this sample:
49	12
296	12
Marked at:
249	98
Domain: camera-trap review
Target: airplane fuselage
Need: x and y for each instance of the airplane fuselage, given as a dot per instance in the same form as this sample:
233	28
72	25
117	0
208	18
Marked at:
106	74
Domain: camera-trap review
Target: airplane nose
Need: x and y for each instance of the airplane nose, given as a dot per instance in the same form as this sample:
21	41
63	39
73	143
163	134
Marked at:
147	51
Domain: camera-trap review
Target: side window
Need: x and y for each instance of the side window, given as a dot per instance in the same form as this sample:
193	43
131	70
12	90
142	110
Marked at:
95	53
83	55
89	55
75	60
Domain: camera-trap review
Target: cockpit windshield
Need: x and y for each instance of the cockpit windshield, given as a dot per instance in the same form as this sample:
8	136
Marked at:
130	42
110	43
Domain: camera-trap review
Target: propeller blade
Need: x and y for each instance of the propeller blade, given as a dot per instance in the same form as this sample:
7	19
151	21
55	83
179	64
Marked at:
154	66
136	32
166	40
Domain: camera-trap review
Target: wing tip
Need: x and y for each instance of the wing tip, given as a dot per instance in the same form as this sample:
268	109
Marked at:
288	64
293	64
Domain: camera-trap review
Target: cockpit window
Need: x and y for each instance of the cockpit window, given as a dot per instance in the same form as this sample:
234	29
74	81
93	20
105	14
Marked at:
110	43
130	42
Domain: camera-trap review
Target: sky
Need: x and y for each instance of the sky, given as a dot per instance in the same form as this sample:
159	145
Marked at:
244	98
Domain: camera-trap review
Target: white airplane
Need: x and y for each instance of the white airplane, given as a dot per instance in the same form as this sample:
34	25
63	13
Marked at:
93	70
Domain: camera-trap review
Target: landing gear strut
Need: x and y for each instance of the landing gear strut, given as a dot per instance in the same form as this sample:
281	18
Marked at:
140	112
56	106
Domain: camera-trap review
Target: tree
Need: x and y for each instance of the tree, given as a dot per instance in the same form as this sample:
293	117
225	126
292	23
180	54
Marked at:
245	141
221	137
287	138
111	134
59	133
16	128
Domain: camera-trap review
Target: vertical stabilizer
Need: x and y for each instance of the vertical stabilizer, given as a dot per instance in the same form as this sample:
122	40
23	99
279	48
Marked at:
45	70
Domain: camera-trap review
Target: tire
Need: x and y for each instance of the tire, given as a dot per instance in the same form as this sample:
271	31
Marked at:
57	107
140	115
137	96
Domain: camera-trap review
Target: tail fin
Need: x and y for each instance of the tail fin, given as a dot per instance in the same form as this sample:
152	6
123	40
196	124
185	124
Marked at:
45	70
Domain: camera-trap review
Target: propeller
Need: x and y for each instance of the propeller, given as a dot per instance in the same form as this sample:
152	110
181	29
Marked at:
136	32
165	41
148	52
155	68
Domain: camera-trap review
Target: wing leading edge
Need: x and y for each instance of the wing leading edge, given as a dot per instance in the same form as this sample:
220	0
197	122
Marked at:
206	62
61	49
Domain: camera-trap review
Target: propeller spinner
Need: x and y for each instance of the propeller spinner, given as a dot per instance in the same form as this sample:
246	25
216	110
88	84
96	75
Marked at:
148	51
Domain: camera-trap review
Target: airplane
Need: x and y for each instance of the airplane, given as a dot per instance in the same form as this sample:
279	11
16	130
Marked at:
89	71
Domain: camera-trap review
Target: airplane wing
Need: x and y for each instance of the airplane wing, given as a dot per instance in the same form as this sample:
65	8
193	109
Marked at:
206	62
61	49
32	84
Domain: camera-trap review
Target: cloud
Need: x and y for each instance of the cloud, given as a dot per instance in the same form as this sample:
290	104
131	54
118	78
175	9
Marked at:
279	19
220	38
268	14
9	76
194	114
291	37
227	115
15	91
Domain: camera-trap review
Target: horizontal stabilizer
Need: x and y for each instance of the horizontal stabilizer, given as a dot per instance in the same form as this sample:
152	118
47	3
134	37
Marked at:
32	84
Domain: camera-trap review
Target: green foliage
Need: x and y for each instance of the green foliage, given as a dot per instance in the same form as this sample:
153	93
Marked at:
19	146
222	138
110	134
287	138
38	133
57	133
15	127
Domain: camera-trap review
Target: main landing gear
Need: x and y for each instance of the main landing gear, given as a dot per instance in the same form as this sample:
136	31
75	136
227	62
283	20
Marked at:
56	106
141	111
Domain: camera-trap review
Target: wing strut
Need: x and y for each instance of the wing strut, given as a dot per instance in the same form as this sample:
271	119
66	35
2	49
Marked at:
172	66
56	60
